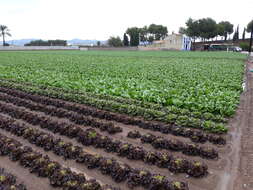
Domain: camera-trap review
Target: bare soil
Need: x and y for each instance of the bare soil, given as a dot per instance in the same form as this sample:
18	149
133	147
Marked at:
243	168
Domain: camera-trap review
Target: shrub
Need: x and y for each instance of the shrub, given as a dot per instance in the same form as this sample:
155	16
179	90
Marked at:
244	46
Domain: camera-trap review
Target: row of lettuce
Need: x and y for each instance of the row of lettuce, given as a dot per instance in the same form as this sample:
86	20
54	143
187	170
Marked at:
88	116
133	110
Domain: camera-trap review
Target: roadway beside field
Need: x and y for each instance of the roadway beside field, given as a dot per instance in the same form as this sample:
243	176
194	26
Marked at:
244	170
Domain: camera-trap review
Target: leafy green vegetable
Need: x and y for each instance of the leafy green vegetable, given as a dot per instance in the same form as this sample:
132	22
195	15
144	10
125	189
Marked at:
188	88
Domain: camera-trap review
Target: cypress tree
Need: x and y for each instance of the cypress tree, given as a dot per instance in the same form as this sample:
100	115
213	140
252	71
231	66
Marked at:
125	40
243	34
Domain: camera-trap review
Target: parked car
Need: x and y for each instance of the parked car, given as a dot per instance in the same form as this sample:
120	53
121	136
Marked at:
236	49
217	47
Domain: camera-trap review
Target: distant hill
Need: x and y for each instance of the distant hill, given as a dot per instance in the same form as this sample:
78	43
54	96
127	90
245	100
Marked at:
84	42
22	42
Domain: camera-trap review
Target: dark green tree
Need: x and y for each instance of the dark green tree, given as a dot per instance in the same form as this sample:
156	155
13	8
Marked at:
192	29
151	39
98	43
38	43
115	41
225	28
57	42
236	34
249	26
243	34
47	43
158	31
220	30
4	31
182	30
207	28
144	34
125	40
134	34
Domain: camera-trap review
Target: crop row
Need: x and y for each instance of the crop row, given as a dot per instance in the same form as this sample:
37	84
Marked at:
175	145
44	167
133	110
72	116
107	166
146	105
170	109
9	181
183	83
90	137
194	135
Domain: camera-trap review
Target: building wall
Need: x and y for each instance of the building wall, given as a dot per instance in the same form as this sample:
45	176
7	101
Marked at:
174	41
171	42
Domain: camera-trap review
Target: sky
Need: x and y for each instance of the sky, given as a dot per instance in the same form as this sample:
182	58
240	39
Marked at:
100	19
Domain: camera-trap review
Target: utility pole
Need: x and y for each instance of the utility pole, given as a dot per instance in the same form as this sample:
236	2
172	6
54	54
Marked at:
251	38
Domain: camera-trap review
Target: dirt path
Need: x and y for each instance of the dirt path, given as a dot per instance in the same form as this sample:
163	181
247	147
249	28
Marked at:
24	176
243	178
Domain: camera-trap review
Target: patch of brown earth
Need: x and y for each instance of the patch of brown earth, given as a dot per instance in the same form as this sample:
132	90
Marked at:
243	179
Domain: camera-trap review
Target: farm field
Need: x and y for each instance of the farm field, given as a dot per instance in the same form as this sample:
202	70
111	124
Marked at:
118	120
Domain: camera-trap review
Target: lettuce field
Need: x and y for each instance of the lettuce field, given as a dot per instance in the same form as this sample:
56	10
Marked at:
100	120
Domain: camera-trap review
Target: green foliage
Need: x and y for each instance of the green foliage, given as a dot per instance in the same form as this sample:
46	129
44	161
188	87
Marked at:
236	34
150	39
186	88
243	34
47	43
4	31
125	40
206	28
182	121
157	31
171	118
225	28
146	34
134	34
192	29
249	26
115	41
182	30
244	46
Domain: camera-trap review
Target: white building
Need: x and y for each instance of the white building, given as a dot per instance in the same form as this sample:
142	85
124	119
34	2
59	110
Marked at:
171	42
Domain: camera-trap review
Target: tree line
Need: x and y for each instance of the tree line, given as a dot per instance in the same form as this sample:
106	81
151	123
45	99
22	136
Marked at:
202	29
207	28
47	43
134	35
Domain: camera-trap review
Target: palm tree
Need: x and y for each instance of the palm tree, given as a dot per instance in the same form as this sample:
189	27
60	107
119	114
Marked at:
4	30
